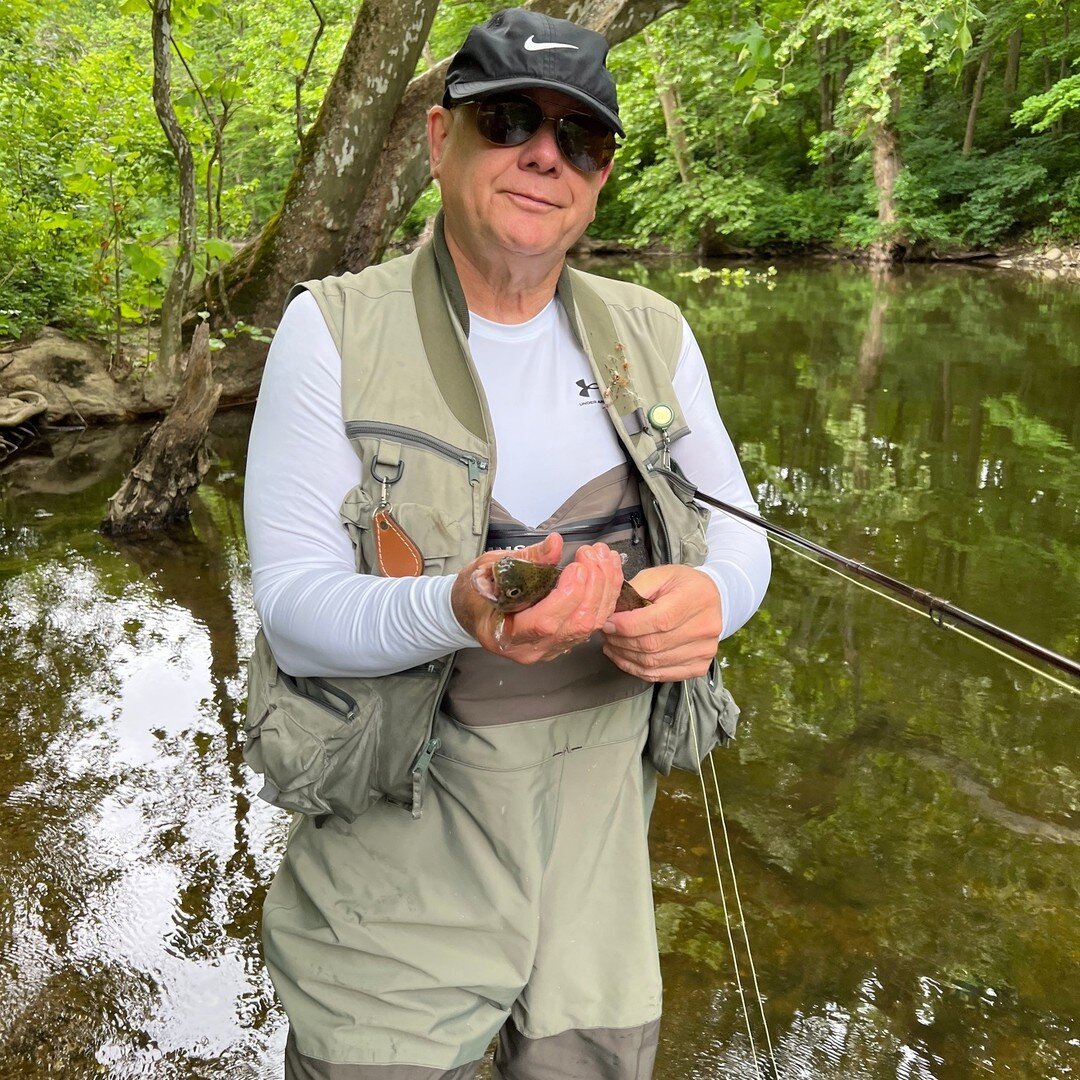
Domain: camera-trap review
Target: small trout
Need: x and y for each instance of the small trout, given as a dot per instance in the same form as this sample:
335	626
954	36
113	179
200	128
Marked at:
515	584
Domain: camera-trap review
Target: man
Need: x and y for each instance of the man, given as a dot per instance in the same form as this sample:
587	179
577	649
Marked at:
516	900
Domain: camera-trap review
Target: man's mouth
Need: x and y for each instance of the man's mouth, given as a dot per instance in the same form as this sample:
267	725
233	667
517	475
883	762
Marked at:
534	200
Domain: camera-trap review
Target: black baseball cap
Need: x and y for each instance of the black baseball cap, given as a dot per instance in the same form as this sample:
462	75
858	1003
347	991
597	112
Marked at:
518	49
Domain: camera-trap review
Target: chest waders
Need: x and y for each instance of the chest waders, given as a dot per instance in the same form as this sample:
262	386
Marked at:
415	414
518	904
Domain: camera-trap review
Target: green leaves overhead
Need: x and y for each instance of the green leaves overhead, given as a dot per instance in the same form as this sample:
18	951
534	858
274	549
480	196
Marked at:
749	125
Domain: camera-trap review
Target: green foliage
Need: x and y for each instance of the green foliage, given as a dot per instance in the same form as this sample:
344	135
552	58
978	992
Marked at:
88	192
781	105
949	200
766	142
1042	111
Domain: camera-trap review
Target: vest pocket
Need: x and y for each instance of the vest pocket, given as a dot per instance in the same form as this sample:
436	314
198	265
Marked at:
437	535
314	745
688	720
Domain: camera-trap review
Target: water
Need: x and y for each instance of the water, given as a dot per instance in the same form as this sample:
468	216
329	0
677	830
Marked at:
903	806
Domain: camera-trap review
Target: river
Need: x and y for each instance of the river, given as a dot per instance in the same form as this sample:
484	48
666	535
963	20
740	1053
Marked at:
902	805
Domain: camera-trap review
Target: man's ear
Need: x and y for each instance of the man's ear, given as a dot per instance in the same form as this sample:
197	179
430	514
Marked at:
439	123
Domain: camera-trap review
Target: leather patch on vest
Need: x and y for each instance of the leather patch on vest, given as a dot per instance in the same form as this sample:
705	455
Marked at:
397	555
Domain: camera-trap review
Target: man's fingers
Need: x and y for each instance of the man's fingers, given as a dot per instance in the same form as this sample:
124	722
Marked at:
548	551
672	666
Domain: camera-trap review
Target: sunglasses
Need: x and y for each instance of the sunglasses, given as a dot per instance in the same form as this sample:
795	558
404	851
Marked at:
512	119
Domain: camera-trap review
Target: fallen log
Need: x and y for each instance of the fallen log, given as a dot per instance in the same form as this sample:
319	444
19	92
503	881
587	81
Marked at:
173	459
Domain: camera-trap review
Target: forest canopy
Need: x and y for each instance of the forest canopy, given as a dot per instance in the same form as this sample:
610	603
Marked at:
917	126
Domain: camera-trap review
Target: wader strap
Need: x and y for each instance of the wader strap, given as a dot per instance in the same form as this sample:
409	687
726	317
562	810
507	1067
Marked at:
441	339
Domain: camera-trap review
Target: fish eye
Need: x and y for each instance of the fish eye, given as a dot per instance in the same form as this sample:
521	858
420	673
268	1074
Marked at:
514	592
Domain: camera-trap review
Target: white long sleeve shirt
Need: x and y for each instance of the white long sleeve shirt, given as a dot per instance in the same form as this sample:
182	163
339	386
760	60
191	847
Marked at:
323	618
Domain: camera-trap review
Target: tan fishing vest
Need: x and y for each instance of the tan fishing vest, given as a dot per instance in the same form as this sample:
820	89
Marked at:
417	418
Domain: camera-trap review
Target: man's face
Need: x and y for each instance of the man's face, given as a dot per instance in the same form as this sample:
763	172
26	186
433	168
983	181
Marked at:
518	200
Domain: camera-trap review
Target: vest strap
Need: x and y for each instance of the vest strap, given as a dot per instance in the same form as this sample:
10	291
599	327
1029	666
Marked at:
443	342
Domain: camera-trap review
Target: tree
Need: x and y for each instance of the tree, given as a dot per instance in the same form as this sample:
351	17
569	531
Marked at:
364	160
338	156
886	39
172	461
172	308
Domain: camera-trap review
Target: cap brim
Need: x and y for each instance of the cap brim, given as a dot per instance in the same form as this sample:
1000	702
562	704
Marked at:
474	90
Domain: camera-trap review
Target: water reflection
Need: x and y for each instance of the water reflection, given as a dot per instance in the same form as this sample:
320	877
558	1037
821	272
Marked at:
133	853
902	806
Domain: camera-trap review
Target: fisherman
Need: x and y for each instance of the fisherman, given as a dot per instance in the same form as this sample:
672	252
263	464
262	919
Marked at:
416	420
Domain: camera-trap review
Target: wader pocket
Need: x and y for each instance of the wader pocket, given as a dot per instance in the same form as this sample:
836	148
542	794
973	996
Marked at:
315	746
688	720
437	535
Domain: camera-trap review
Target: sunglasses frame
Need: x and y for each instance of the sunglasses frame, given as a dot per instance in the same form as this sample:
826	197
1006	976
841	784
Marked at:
597	162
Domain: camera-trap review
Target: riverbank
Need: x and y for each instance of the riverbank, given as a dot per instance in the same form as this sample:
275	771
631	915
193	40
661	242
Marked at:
1052	262
83	387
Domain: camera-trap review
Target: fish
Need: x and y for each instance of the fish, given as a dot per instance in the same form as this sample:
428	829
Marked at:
516	584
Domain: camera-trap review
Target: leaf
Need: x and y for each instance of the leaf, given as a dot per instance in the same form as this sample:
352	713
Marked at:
56	221
134	7
963	38
219	249
145	261
745	80
129	312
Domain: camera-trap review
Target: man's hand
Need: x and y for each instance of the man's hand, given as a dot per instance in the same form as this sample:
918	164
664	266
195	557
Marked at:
578	606
675	637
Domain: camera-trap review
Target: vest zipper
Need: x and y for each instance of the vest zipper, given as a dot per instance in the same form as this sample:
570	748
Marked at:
576	533
475	464
347	714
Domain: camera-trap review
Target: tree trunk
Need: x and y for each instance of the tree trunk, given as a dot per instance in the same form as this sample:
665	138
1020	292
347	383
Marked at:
825	84
968	77
403	172
170	463
885	154
669	104
976	98
396	173
1066	33
885	148
846	65
339	155
1012	63
172	307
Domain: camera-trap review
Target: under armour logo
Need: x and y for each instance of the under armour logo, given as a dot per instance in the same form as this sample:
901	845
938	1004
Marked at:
586	387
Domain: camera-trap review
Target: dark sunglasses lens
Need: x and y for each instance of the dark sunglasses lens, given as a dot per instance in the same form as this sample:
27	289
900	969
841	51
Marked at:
587	144
508	121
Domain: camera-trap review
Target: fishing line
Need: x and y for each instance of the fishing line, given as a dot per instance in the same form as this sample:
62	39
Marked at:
723	899
917	611
738	904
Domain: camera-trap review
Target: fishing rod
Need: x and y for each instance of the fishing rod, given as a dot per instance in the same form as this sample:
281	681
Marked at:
935	607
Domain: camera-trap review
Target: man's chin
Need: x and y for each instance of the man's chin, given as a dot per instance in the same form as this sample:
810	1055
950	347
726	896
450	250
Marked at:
532	237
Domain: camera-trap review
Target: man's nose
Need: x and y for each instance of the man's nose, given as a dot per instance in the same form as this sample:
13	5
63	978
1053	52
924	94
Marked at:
542	150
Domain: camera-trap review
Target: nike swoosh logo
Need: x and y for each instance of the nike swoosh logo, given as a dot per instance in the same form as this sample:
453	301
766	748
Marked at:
532	45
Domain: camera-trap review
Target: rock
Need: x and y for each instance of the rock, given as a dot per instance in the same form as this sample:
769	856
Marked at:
1050	274
1053	255
20	406
1006	263
75	380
